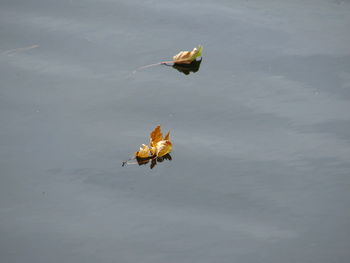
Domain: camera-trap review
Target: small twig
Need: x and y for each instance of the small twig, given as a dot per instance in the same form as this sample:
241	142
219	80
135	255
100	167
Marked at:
162	63
128	161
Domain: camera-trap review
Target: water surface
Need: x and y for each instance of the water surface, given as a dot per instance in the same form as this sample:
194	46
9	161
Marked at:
260	166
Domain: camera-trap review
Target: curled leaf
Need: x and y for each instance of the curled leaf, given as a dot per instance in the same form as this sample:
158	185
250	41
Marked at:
167	136
155	136
186	57
157	150
160	145
144	152
163	147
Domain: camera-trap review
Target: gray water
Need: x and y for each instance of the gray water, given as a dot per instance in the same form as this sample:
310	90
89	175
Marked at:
261	132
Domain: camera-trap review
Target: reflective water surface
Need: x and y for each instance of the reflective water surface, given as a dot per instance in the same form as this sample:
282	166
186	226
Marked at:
260	131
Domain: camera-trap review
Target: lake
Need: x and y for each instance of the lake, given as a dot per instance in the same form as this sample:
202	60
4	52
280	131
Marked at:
260	167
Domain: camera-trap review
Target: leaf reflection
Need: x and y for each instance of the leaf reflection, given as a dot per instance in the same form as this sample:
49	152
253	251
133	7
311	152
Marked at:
188	68
154	160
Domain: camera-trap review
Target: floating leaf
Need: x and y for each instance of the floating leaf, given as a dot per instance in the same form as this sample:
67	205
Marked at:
163	147
186	57
144	152
156	136
167	136
159	147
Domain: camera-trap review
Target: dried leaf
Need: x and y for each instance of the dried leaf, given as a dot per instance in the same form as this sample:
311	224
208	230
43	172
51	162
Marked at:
167	136
156	136
186	57
159	147
144	152
163	147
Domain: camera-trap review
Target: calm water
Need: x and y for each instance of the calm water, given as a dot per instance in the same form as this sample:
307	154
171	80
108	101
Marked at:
260	169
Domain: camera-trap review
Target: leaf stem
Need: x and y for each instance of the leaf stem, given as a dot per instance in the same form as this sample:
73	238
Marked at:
128	161
162	63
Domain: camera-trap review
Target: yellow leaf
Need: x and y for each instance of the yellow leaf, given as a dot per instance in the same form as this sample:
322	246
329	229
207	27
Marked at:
144	152
156	136
167	136
187	57
163	147
160	146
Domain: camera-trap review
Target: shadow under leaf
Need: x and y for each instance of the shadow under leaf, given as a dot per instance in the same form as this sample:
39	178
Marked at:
154	160
188	68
